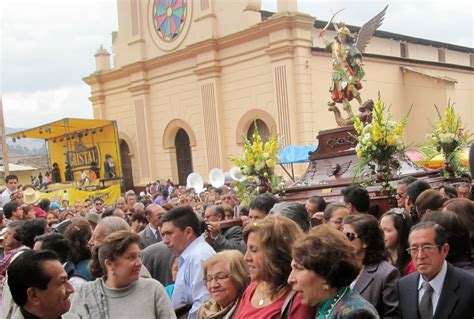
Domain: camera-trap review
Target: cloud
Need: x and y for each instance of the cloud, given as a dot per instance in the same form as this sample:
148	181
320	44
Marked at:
49	44
30	109
439	20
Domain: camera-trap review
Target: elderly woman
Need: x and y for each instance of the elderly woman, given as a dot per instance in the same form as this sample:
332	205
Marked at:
323	267
377	280
226	276
121	292
268	257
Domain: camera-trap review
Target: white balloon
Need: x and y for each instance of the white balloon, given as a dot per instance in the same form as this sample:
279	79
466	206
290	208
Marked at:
216	177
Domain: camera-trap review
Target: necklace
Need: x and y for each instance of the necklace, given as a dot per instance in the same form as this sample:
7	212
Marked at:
262	295
333	304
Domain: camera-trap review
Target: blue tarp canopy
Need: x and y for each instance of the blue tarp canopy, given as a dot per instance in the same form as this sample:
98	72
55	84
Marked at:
295	154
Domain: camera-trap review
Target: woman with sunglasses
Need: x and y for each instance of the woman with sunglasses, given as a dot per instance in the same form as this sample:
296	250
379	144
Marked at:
396	227
377	280
226	276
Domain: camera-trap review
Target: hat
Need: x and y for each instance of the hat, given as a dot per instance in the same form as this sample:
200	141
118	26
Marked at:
31	195
55	205
93	218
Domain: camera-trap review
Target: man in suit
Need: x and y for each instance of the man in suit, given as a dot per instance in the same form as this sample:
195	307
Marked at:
437	290
151	233
222	239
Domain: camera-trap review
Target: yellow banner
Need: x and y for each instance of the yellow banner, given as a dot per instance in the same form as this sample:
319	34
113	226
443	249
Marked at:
86	150
109	195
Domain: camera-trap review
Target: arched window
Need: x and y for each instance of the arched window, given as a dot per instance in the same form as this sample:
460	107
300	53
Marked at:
261	127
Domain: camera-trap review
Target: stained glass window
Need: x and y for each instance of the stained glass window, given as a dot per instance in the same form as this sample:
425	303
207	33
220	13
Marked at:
169	17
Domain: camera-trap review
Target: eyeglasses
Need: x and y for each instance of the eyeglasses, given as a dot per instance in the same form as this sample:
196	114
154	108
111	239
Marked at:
337	221
424	249
400	195
351	236
217	277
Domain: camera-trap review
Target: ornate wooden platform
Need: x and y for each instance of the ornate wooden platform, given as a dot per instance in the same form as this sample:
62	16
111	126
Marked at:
333	165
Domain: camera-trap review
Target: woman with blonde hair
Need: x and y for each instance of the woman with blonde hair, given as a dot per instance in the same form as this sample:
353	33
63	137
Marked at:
269	242
121	292
226	276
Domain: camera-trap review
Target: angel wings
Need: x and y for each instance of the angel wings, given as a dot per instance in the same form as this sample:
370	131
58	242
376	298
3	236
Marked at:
368	30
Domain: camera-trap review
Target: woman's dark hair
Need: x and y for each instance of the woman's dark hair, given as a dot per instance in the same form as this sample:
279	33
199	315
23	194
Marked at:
115	246
464	208
449	190
328	253
79	233
277	235
456	232
430	199
331	208
402	223
44	204
369	232
139	217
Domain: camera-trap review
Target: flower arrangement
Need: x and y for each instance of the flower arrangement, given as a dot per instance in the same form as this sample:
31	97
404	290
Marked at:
258	166
379	143
450	138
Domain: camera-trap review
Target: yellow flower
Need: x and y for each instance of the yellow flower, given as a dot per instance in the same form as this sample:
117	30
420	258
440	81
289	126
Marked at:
270	163
391	140
250	178
359	154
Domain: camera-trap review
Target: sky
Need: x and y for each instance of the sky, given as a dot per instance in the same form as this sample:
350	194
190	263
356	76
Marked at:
47	47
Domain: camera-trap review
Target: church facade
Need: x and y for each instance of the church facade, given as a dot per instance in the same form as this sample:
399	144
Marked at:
189	80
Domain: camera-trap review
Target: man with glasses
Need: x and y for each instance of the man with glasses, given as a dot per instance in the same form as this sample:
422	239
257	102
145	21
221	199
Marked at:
222	239
401	190
151	234
437	289
98	206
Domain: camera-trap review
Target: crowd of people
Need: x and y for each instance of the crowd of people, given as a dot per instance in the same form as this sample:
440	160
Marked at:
169	252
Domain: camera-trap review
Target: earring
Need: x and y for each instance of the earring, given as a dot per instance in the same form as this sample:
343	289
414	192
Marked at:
326	287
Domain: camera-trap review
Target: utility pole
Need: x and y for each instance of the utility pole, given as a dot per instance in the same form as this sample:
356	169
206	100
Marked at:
3	144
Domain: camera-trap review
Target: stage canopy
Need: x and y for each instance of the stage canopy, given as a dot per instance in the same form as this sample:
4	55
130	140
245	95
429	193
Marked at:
79	149
60	128
295	154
